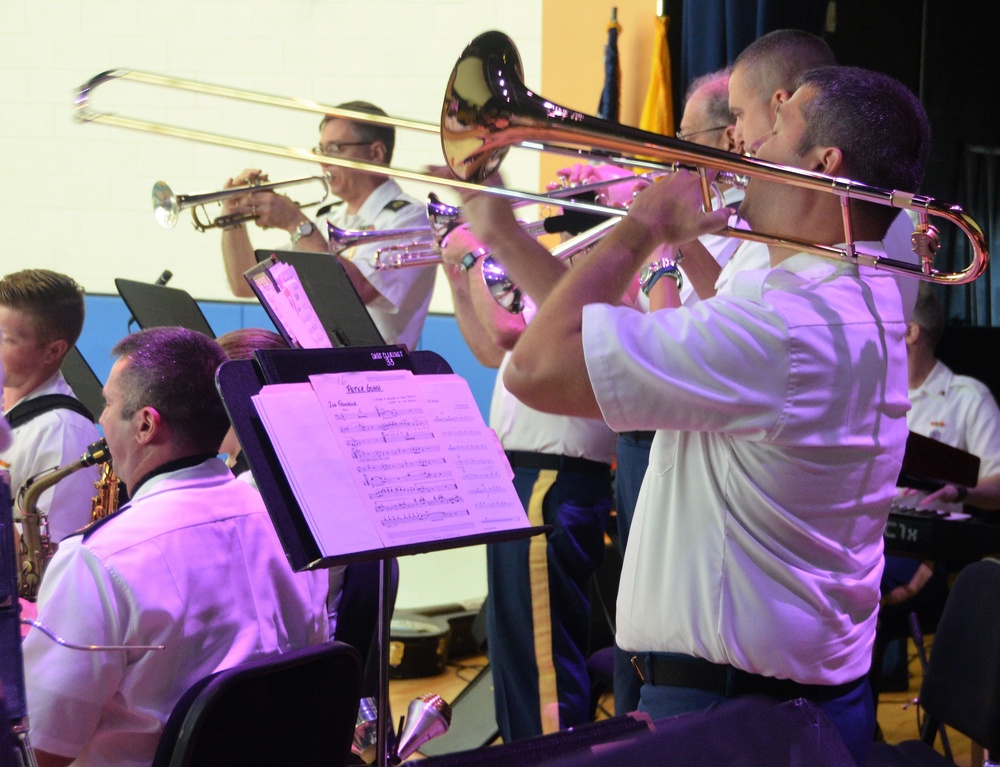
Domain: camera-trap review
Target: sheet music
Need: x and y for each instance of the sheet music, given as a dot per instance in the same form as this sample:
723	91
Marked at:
407	457
281	289
290	413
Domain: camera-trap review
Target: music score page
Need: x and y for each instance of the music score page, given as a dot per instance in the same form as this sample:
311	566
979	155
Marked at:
388	458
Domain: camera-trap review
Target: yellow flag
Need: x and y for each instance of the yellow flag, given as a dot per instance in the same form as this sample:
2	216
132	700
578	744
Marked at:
658	110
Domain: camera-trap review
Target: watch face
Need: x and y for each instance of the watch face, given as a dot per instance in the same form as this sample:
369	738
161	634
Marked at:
645	274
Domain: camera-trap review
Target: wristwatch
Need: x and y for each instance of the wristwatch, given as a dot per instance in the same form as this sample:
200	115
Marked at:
470	258
303	230
652	272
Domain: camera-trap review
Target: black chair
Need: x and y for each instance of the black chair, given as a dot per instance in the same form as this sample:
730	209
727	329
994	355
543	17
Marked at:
299	707
961	686
601	668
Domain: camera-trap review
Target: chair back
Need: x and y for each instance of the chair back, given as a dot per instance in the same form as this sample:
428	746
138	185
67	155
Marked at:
298	707
961	686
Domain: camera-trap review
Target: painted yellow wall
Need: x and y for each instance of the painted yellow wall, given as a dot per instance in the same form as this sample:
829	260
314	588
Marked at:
574	33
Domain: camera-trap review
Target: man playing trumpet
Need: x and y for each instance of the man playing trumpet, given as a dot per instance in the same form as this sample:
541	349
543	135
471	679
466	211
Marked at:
397	299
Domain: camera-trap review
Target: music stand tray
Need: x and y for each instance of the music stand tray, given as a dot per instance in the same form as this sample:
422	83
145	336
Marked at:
158	306
329	290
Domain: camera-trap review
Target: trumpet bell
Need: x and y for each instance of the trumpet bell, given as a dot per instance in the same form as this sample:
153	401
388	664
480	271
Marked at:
166	206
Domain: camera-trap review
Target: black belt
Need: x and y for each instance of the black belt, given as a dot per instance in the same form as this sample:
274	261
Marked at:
722	679
522	459
639	436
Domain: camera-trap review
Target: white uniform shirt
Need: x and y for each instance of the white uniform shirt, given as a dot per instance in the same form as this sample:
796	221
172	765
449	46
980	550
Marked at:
50	440
959	411
896	245
520	427
400	312
780	418
192	563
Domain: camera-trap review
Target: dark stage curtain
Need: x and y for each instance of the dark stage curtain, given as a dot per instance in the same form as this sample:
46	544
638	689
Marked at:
713	32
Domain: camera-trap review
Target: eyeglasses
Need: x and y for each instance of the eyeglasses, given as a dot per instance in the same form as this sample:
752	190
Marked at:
334	148
687	136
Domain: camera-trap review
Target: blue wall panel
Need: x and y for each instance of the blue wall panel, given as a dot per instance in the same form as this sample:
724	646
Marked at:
108	322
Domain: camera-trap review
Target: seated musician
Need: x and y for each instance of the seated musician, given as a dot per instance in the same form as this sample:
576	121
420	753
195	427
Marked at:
191	563
961	412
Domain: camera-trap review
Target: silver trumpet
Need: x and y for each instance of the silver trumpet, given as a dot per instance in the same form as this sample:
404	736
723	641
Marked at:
442	219
167	206
422	254
508	295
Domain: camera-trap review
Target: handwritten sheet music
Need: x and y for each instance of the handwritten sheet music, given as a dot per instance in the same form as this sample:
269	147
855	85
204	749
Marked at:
399	459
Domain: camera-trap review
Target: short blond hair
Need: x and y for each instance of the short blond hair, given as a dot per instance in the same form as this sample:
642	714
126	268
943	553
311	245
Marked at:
53	301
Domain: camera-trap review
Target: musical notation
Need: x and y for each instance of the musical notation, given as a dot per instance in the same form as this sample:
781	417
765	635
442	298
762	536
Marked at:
409	478
373	455
430	516
416	503
404	423
396	490
409	456
404	464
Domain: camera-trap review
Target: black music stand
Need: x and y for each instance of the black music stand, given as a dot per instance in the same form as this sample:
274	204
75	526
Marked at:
157	306
239	380
327	287
83	381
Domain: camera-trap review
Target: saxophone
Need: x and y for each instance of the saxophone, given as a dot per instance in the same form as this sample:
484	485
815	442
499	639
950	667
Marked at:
37	548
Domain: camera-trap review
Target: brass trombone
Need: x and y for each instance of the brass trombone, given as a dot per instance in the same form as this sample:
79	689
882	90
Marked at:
487	110
167	206
84	112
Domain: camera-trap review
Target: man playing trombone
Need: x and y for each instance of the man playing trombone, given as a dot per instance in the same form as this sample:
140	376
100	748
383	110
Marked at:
779	408
397	299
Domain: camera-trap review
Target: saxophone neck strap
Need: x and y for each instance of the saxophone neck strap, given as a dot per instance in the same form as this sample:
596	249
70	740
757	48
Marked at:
25	411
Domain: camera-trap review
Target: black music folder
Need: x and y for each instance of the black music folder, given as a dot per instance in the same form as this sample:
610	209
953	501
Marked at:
158	306
929	465
369	453
311	300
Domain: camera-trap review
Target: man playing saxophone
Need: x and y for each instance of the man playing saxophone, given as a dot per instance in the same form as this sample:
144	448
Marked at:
191	562
41	316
